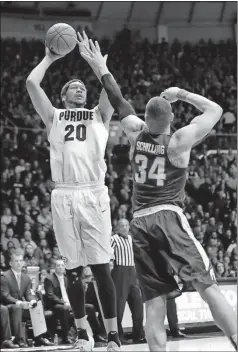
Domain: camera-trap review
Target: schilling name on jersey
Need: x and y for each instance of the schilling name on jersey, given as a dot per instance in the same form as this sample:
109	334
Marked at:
71	115
150	148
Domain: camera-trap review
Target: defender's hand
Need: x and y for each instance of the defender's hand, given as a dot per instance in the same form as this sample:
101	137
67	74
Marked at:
170	94
94	58
93	55
83	42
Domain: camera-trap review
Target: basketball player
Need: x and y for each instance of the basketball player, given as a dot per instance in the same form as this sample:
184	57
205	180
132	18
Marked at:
159	227
80	202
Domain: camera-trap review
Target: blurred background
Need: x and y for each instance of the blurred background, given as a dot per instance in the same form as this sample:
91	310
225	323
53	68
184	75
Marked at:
151	46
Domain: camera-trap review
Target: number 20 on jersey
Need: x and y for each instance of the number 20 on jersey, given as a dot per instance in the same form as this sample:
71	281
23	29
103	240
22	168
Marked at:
81	133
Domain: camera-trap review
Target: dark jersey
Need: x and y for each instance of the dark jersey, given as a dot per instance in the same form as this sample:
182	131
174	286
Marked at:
155	180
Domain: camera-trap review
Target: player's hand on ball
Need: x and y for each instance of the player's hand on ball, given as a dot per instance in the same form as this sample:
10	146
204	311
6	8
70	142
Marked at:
170	94
52	55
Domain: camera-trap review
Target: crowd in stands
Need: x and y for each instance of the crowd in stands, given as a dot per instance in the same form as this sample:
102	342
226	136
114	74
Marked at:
143	70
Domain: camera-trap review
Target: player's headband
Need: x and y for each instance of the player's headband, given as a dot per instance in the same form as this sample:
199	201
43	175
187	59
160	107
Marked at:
66	86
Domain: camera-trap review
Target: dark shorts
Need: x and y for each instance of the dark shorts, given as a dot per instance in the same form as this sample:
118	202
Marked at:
163	244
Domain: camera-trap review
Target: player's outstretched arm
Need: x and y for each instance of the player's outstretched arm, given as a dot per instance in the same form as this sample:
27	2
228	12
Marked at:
130	122
201	125
38	97
104	105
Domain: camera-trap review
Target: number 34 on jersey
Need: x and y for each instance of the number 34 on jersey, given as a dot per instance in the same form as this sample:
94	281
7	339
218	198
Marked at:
150	172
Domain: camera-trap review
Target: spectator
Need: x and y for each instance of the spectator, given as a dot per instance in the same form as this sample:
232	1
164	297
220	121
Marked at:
3	266
231	246
233	268
227	262
20	167
3	230
220	270
9	237
5	187
228	240
27	236
22	246
7	216
57	299
41	287
7	142
16	294
220	255
56	253
120	153
29	257
39	255
45	219
6	334
44	246
228	121
211	227
15	226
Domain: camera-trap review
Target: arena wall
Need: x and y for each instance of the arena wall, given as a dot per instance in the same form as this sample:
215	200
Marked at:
187	21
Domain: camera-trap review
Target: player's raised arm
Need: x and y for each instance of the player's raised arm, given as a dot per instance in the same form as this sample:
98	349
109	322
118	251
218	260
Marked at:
104	105
201	125
38	97
130	122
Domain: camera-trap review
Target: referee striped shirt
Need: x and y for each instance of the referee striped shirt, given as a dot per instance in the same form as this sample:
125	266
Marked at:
123	250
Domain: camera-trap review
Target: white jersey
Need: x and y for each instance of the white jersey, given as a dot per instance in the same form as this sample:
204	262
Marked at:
78	140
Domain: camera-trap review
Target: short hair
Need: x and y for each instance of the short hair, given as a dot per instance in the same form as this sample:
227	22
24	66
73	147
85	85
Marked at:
66	86
59	260
17	253
29	244
159	109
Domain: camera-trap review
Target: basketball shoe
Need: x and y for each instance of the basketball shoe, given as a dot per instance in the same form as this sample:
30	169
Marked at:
113	346
85	345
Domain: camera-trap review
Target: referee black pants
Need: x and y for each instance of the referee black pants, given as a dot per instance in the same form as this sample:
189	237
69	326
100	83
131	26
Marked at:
128	290
172	315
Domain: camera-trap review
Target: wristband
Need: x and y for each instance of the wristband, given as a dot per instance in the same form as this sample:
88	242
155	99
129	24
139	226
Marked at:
182	94
103	71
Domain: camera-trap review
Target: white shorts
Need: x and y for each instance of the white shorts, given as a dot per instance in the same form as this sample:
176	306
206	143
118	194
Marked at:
82	224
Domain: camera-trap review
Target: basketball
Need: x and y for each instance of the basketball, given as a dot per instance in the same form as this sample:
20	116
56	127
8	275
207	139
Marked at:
60	38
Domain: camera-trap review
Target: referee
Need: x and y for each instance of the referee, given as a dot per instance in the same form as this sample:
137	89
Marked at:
125	280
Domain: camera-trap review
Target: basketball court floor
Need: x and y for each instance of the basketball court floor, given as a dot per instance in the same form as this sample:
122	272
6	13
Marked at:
190	343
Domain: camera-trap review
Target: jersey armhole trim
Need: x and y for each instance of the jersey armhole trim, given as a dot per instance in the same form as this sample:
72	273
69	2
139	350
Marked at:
133	144
49	132
98	114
